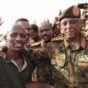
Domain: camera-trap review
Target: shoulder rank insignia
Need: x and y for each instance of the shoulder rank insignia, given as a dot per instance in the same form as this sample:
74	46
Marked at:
59	38
36	45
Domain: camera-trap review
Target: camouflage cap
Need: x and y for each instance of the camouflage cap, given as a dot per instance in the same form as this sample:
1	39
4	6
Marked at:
71	12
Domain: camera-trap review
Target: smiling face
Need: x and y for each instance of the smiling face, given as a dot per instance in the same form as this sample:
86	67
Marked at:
70	27
16	38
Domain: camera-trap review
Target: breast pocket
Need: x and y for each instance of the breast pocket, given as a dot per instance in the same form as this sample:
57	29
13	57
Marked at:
58	60
83	62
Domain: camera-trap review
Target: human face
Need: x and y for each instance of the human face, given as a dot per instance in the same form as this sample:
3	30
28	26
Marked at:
70	27
16	38
33	34
26	26
85	30
46	34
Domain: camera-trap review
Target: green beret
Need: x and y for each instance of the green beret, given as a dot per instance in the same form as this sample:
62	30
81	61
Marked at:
71	12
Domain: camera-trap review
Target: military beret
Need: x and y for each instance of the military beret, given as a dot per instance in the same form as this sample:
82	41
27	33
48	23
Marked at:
71	12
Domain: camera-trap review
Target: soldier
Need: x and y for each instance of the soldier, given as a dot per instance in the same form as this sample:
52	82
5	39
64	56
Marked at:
48	42
70	24
34	34
43	70
70	63
46	34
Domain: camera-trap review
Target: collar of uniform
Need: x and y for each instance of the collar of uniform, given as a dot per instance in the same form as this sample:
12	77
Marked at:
74	45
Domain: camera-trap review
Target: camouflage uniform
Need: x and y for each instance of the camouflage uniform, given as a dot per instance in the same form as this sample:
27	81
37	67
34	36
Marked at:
53	48
42	73
69	69
69	65
83	69
70	62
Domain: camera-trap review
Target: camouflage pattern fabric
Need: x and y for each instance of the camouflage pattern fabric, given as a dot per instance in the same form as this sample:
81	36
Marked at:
67	71
42	73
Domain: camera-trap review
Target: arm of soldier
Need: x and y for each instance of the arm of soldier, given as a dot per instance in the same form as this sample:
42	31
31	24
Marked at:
38	53
38	47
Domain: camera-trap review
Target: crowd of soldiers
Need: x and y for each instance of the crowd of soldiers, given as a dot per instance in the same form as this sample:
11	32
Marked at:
48	56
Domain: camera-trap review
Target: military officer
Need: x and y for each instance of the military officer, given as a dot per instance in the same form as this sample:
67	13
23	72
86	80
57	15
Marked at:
48	43
68	61
43	70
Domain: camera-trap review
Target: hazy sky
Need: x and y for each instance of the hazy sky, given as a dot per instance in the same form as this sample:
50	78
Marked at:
37	10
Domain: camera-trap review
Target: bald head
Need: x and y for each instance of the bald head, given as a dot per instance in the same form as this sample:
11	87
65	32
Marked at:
45	31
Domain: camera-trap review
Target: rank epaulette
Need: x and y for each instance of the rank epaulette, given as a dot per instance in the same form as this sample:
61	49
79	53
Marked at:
36	45
59	38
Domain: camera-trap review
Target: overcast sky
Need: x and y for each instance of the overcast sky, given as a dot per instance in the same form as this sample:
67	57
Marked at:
34	10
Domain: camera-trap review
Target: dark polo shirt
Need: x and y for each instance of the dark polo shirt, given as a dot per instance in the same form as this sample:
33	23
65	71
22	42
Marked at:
11	77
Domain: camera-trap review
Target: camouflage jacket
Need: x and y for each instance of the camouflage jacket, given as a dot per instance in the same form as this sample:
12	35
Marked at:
67	65
42	73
